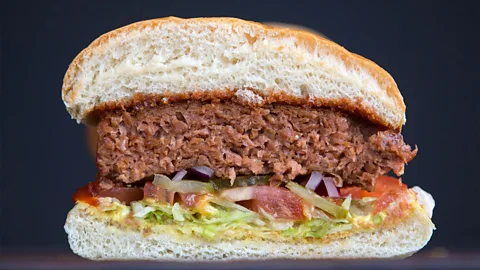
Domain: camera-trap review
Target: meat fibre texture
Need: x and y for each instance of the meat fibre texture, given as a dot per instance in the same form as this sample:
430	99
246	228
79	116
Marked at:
232	139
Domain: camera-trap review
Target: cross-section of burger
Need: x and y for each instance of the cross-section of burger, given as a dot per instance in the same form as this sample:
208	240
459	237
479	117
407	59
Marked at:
225	139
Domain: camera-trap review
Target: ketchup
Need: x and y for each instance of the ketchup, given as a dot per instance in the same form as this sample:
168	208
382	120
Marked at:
86	194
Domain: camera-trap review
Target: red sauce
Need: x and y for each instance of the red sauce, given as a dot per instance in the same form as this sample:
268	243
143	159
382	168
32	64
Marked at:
86	194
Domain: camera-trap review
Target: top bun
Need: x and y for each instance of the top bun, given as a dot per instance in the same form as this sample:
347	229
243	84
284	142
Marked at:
218	58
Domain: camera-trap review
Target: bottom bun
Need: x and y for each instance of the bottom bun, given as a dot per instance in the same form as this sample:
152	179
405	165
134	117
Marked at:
96	238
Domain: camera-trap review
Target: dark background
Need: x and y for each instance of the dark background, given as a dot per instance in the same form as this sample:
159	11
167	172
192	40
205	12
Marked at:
429	48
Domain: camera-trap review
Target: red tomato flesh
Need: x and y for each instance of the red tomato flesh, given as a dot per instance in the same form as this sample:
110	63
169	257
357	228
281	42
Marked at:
382	185
388	190
92	191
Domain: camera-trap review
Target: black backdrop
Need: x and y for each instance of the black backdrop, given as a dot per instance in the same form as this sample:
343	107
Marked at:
429	48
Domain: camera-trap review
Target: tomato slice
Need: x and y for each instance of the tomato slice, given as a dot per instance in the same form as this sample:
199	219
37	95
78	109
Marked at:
90	192
123	194
392	196
158	193
383	184
279	202
190	200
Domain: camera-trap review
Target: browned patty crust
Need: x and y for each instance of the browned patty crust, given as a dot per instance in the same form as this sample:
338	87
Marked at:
232	139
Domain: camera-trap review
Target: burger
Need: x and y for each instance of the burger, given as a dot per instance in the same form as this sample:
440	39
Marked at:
223	139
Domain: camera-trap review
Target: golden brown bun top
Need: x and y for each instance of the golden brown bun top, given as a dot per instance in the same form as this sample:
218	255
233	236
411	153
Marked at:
218	58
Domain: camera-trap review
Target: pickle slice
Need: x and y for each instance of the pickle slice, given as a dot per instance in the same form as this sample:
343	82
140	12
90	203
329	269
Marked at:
240	181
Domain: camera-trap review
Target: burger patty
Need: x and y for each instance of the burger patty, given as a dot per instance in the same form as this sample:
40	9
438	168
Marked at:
278	139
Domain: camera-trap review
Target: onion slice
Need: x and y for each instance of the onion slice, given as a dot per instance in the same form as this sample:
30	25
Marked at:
179	175
314	180
313	198
185	186
331	188
337	180
238	194
228	204
203	171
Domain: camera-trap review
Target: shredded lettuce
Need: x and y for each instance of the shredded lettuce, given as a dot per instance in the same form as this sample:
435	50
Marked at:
227	219
230	205
155	216
282	225
209	232
362	207
318	214
314	228
378	218
177	213
230	218
340	228
346	203
266	215
140	210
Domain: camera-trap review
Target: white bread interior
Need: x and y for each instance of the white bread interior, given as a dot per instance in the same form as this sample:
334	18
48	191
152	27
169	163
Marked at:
97	239
185	56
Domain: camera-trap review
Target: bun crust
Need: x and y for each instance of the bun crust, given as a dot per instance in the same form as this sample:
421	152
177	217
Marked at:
97	239
213	58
